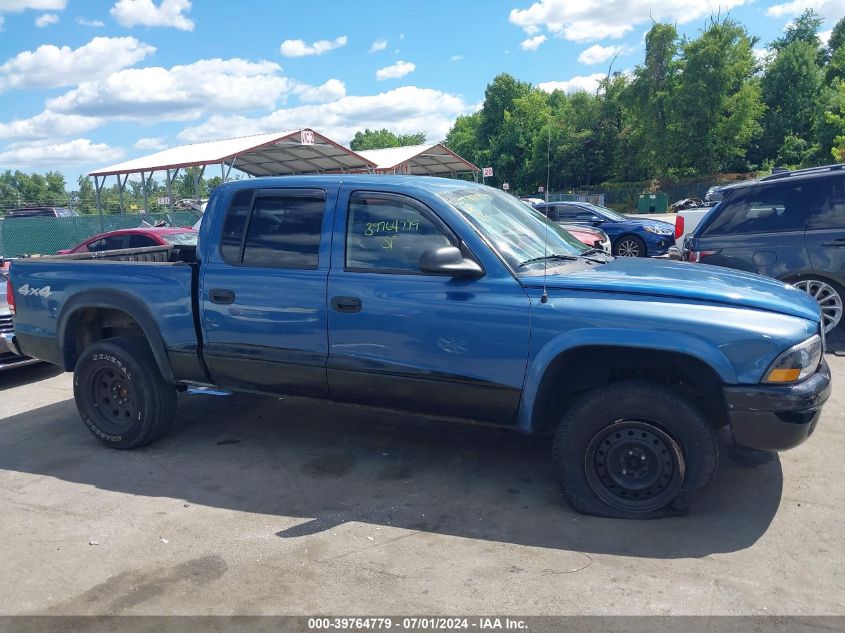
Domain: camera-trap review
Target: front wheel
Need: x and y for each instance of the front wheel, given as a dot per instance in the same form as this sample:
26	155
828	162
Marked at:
829	296
629	246
627	450
121	394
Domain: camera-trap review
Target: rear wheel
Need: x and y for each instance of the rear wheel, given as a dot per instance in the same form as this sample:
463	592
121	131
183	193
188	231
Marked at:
121	394
627	450
630	246
829	297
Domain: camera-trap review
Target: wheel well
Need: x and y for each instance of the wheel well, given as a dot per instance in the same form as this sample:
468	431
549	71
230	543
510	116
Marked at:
791	279
583	369
89	325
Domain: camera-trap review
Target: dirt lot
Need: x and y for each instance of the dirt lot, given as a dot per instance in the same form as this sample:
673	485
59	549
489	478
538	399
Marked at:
287	506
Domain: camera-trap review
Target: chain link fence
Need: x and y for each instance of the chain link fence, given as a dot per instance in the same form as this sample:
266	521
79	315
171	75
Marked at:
45	235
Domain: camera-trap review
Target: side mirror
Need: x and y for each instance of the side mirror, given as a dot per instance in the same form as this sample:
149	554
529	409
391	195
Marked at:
448	260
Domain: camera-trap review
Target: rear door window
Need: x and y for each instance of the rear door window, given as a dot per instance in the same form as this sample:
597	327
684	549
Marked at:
768	208
274	228
830	213
141	241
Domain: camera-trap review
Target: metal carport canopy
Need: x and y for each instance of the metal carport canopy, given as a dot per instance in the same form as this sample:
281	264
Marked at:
436	159
274	154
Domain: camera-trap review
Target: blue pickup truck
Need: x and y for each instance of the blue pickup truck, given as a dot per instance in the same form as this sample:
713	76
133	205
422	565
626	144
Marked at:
442	297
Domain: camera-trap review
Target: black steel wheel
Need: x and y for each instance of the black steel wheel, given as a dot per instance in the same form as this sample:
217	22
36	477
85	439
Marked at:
113	400
120	392
634	465
628	449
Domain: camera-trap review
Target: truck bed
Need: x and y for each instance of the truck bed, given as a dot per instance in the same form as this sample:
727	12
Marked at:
154	285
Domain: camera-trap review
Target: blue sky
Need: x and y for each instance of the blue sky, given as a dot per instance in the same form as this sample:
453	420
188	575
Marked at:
87	84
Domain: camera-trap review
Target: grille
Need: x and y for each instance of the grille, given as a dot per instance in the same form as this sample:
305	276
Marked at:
6	323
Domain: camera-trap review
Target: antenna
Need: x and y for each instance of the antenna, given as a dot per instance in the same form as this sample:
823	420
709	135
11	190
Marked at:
545	296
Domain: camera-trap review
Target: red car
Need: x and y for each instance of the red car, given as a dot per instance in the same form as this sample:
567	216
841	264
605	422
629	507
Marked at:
136	238
589	236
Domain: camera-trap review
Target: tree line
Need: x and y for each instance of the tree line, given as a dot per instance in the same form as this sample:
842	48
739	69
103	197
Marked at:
696	107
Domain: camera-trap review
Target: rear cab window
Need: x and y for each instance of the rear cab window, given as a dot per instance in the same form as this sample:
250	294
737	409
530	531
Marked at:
274	228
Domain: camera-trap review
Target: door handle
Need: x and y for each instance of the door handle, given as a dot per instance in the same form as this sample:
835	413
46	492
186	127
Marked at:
222	295
346	304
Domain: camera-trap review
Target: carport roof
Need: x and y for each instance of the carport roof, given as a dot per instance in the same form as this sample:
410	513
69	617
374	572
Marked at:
273	154
419	159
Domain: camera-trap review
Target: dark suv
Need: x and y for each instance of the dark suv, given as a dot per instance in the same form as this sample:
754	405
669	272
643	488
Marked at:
40	212
790	225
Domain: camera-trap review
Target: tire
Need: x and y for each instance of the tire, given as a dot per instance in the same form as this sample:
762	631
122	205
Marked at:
121	394
831	299
629	246
629	449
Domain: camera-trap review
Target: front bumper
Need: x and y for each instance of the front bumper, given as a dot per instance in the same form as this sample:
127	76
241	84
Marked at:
777	417
657	245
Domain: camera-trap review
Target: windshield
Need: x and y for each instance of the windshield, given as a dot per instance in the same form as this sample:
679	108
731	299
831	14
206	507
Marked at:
515	230
608	213
182	239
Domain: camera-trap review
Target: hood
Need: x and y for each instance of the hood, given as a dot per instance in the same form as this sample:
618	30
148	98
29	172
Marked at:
658	224
681	280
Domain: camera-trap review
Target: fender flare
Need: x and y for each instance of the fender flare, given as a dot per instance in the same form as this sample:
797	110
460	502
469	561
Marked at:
113	300
600	337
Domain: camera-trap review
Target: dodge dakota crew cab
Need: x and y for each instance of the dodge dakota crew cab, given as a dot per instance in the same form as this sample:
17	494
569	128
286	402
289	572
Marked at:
442	297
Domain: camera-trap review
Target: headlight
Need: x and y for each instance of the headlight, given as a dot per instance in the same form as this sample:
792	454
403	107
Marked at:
796	363
657	231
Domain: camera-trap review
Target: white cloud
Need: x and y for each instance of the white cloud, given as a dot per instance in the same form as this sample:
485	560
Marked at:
599	19
761	54
403	110
824	36
395	71
378	45
49	66
46	19
2	21
79	151
588	83
532	43
830	9
332	90
298	48
597	54
16	6
47	125
456	58
150	143
178	93
95	23
169	13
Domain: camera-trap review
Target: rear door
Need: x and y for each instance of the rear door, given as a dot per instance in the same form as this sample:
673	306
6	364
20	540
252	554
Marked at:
761	229
405	339
263	292
825	236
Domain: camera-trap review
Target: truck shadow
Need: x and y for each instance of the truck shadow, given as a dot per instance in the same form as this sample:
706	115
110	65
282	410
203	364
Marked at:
329	464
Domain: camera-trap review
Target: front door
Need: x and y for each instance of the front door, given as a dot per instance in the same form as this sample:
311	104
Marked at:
401	338
263	292
825	239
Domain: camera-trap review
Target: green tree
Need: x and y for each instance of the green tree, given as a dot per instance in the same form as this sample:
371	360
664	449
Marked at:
791	86
653	92
718	100
805	28
835	117
836	53
85	197
381	139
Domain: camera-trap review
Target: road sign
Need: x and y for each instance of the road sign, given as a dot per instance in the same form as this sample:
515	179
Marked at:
540	189
505	186
307	137
487	172
163	200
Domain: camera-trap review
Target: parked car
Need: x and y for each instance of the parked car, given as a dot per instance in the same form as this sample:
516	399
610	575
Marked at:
630	237
589	235
442	297
790	225
10	356
135	238
40	212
